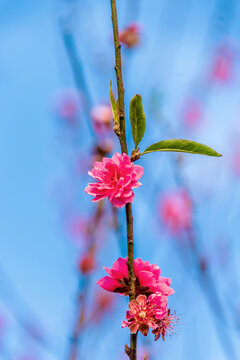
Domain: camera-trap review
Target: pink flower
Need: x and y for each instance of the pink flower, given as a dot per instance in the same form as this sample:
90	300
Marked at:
130	35
87	263
165	326
102	118
78	227
192	112
104	300
145	312
222	69
66	105
148	279
116	179
176	210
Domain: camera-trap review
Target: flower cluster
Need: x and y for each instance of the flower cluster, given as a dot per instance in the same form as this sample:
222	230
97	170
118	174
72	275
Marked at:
145	312
150	309
152	312
116	179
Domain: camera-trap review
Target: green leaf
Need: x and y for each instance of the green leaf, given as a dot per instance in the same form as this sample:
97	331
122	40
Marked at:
114	106
138	119
180	145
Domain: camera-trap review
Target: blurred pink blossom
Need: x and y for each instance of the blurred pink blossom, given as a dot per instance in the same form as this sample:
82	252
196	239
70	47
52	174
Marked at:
77	227
204	263
192	113
145	312
130	36
144	354
148	279
104	147
102	118
66	105
87	263
222	68
104	300
116	179
175	209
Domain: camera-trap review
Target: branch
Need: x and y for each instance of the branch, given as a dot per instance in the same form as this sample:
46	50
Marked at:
131	352
77	70
80	323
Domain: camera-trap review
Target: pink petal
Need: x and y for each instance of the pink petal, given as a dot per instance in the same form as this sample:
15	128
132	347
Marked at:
125	323
134	327
141	299
143	328
98	198
146	278
117	158
152	324
108	283
160	314
120	265
117	203
139	171
164	289
133	306
166	280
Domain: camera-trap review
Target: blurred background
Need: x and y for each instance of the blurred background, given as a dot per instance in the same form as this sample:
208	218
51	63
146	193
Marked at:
56	62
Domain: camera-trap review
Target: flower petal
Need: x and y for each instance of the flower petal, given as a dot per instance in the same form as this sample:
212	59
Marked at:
108	283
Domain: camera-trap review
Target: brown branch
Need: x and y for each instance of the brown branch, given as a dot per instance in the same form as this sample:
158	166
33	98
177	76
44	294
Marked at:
132	351
77	70
120	86
80	323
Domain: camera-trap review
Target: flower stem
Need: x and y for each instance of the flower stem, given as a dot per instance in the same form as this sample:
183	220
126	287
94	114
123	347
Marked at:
132	351
120	86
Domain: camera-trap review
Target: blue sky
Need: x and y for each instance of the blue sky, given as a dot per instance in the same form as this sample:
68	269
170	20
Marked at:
36	255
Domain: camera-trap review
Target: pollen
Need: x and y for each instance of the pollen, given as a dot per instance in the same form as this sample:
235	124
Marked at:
142	314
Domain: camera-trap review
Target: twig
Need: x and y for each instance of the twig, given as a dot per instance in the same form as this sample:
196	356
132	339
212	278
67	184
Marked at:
132	351
78	75
82	295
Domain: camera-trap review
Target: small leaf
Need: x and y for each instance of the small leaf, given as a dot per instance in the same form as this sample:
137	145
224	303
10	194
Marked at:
114	105
138	119
180	145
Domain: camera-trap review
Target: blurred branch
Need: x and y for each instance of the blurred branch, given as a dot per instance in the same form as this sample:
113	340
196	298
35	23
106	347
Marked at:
77	70
83	292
